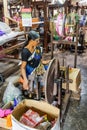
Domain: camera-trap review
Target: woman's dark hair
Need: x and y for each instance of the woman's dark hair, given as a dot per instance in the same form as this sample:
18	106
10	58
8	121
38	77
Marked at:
32	35
26	43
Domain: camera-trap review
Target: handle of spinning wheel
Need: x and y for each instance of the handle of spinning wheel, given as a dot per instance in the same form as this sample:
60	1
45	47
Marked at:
59	86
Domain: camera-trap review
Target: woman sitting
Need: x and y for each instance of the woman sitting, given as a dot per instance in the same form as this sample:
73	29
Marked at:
31	58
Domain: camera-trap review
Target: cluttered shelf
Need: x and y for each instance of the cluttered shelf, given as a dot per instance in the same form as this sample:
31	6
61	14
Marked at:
69	39
64	42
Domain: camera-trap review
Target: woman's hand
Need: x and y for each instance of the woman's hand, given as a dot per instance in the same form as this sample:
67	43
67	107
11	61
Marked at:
45	61
26	85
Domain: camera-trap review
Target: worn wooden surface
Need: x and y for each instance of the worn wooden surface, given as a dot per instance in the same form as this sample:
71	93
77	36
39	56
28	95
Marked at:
4	129
75	76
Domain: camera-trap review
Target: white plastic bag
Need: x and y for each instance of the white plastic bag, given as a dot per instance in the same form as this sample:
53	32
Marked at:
11	92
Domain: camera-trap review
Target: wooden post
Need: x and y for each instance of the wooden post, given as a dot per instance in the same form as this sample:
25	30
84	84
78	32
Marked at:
5	5
45	26
75	60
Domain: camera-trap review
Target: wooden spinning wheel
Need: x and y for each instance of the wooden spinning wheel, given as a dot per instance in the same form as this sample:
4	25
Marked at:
52	74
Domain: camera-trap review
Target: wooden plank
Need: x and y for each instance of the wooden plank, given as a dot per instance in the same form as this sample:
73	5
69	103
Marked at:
10	49
65	104
64	42
4	128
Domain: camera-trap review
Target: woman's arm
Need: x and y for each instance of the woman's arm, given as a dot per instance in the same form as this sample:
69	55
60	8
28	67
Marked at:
23	72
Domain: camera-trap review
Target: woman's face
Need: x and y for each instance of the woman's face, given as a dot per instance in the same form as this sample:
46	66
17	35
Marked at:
37	41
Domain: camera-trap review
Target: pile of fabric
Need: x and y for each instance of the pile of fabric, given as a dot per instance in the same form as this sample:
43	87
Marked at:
6	33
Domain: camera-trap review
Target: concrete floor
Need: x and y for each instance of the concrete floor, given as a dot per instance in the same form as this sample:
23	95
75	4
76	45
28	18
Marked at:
76	117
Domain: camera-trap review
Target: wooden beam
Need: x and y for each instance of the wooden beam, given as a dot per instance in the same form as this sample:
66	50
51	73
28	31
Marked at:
5	5
10	49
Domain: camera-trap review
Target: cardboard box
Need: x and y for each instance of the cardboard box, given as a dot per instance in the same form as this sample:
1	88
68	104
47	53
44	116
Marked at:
40	107
75	76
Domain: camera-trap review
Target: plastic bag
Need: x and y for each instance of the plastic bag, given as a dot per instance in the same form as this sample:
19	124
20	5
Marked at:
11	93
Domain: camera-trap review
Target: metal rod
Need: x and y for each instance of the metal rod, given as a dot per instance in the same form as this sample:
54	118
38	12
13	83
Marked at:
67	79
38	89
59	89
